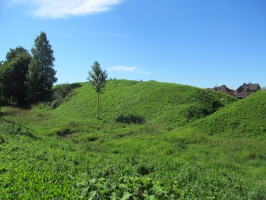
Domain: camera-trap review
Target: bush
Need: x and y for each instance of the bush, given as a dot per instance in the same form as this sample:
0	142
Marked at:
60	93
135	119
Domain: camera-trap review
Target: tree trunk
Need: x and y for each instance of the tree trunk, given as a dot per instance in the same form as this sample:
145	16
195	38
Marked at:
98	106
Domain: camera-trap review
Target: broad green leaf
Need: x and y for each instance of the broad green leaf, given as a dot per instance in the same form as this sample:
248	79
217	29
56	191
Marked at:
126	196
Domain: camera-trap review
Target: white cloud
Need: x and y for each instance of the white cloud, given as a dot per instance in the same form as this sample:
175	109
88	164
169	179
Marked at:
123	68
128	69
144	72
64	8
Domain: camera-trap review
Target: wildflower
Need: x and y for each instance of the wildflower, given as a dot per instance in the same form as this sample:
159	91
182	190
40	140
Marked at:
138	192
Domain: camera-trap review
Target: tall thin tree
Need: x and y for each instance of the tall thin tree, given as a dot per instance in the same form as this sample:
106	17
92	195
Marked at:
97	77
43	56
33	80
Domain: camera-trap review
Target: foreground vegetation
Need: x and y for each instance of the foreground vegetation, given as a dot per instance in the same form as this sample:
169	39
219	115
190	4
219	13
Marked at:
74	156
114	163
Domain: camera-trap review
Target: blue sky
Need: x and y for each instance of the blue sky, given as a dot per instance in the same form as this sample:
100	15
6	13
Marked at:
201	43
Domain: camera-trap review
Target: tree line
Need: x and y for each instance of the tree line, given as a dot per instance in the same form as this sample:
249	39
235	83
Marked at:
26	76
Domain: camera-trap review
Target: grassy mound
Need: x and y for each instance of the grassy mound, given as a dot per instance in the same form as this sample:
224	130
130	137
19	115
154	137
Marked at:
165	103
74	156
243	118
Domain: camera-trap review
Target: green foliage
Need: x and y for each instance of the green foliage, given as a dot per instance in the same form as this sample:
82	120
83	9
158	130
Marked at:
245	117
61	91
97	78
224	98
75	156
13	53
60	94
33	80
43	63
165	103
135	119
13	86
23	77
47	168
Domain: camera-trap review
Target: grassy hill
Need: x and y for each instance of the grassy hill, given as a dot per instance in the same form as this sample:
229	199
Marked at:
246	117
73	155
165	103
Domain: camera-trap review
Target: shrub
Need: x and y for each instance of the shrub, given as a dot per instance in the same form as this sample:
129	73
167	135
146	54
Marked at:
135	119
60	93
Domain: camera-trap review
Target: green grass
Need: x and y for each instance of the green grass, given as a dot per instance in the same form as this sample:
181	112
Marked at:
179	153
165	103
225	99
245	118
51	168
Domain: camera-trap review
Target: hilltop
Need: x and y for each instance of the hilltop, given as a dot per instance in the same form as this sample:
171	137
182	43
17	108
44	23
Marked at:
165	103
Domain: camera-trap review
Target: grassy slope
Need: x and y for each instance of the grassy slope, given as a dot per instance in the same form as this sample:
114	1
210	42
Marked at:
225	99
157	102
185	160
242	118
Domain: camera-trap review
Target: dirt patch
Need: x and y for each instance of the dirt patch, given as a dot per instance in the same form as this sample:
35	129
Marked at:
66	133
91	139
66	136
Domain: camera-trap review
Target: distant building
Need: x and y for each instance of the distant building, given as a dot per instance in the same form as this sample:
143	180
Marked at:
246	89
241	92
223	88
